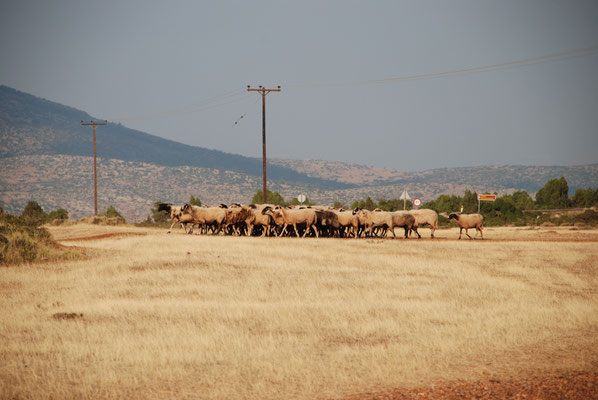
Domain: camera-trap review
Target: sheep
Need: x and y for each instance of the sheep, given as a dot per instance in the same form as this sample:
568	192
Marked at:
348	220
466	221
378	219
175	215
265	221
293	216
363	219
425	217
405	220
205	215
237	216
327	223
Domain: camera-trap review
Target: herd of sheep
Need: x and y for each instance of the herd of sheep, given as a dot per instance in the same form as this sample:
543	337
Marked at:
318	221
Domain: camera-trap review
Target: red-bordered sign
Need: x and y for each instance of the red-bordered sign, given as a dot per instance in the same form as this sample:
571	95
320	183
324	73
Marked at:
417	202
487	197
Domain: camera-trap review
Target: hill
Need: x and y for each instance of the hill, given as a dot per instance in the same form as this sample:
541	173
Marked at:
30	125
520	177
46	155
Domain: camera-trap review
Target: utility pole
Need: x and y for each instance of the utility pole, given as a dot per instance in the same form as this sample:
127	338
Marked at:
95	173
263	91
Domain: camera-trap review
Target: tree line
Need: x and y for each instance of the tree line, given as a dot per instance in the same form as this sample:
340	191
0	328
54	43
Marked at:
518	208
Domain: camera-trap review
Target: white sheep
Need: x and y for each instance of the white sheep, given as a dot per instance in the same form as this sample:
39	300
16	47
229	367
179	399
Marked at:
294	216
425	217
466	221
205	216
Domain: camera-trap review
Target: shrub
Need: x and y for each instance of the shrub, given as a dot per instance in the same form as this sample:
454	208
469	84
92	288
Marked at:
23	240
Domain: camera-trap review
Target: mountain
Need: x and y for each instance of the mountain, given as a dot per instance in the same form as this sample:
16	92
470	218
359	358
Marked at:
520	177
47	156
31	125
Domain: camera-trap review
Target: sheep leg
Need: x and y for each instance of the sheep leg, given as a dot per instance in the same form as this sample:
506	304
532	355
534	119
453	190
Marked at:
173	222
414	229
297	232
479	230
314	229
467	234
407	230
460	230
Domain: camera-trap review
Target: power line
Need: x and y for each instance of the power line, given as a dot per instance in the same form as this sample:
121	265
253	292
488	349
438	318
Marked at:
491	67
189	108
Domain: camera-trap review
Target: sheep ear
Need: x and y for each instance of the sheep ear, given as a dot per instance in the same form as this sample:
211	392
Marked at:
222	205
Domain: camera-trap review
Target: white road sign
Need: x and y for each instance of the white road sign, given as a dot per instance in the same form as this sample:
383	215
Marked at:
301	198
417	202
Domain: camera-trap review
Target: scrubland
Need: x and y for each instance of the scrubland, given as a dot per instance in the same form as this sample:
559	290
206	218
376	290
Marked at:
152	315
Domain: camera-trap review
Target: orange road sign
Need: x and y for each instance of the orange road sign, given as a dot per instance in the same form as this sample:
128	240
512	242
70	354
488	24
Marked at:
489	197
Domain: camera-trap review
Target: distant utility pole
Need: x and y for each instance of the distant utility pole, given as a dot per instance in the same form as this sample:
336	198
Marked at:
263	91
95	173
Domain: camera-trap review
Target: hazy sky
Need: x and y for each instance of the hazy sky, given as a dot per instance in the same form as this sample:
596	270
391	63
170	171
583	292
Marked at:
180	70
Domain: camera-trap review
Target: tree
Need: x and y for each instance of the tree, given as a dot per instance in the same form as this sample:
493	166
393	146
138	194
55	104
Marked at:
555	194
111	212
446	203
470	202
522	200
195	201
367	204
34	214
585	198
157	217
338	204
61	213
271	198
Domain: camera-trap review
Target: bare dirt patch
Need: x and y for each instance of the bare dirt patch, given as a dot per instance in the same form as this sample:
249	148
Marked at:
103	236
568	385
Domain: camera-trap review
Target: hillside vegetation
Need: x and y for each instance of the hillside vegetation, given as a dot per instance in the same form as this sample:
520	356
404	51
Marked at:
31	125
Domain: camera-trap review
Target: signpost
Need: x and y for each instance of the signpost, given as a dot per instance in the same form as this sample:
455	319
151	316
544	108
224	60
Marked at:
405	197
301	198
485	197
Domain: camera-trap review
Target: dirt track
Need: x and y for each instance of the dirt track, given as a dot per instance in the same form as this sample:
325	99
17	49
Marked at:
572	385
103	236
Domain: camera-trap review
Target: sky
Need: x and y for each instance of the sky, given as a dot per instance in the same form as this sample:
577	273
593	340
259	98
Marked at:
365	82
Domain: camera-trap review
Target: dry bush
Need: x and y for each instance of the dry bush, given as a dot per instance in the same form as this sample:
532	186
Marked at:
177	315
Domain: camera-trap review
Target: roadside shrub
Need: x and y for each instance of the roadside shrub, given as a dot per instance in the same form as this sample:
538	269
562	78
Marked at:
103	220
589	217
23	240
111	212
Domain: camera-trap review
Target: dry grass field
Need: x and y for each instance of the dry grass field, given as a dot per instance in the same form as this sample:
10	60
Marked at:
152	315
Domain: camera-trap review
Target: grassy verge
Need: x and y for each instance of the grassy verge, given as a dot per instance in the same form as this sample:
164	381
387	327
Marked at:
184	316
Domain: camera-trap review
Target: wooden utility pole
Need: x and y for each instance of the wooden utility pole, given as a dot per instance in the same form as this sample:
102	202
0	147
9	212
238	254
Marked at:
95	173
263	91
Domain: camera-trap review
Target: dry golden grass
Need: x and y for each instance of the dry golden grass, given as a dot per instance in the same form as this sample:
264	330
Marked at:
162	316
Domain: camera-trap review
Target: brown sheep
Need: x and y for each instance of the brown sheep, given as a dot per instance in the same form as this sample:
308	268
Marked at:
466	221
